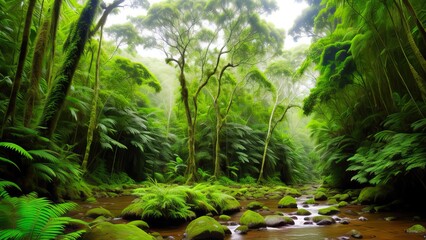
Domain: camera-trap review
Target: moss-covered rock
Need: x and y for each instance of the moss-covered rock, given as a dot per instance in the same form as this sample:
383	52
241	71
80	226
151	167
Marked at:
317	219
332	201
278	220
328	211
226	230
287	202
309	201
416	229
242	229
376	194
320	196
204	228
303	212
342	204
224	217
140	224
99	211
106	230
254	205
252	219
342	197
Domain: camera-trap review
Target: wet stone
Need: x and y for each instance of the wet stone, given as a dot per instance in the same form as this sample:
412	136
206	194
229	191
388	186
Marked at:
325	222
308	223
363	219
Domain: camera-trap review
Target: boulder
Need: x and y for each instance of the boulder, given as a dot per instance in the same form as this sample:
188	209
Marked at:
140	224
287	202
252	219
342	204
317	219
254	205
328	211
107	230
224	217
242	229
277	221
303	212
99	211
204	228
416	229
320	196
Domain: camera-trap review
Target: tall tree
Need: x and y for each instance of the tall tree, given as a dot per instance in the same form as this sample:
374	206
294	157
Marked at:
198	36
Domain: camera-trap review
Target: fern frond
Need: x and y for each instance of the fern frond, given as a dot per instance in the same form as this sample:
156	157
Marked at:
44	154
2	159
16	148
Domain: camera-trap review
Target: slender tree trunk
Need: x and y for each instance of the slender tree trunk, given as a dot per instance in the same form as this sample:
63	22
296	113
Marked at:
93	114
32	96
77	40
10	112
52	39
219	124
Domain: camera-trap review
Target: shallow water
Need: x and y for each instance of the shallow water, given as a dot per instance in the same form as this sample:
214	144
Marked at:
376	227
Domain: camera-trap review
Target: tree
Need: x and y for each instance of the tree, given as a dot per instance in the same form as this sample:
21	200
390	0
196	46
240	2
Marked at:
198	36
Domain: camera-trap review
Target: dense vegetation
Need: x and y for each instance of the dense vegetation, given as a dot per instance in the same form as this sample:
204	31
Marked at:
81	108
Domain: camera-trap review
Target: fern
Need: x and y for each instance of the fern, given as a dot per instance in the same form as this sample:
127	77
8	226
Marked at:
16	148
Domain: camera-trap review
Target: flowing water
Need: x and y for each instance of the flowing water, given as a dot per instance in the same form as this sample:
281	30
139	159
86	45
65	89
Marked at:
376	227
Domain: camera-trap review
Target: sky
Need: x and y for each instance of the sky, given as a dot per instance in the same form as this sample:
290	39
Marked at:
283	18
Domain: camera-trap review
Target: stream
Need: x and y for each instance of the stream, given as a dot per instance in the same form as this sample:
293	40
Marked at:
376	227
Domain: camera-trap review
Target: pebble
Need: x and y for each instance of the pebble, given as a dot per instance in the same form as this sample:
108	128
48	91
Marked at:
362	218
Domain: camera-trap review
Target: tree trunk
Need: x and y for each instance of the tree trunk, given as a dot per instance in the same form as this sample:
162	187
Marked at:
77	40
52	38
10	112
267	139
32	97
93	114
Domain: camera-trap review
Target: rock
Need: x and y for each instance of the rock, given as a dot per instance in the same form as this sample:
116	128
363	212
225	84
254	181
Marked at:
288	220
91	200
287	202
230	204
242	229
351	212
325	222
306	218
345	221
98	220
204	227
355	234
308	223
275	221
363	219
317	219
343	238
303	212
305	205
254	205
157	235
224	217
231	223
106	230
320	196
99	211
309	201
390	218
140	224
328	211
376	194
252	219
416	229
226	230
342	204
332	201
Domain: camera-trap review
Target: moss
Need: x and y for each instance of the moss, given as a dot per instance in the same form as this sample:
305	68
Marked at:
204	228
309	201
254	205
332	201
328	211
226	230
343	197
416	229
320	196
287	202
342	204
100	211
252	219
303	212
140	224
224	217
376	194
106	230
91	200
242	229
320	218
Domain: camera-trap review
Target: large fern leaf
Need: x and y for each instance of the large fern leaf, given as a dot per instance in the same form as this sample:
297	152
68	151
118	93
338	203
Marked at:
16	148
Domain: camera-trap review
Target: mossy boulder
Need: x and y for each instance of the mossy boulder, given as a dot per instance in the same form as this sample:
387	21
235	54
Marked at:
254	205
328	211
376	194
107	230
140	224
342	197
278	220
287	202
226	230
252	219
230	204
318	219
303	212
320	196
342	204
242	229
309	201
99	211
224	217
204	228
416	229
332	201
